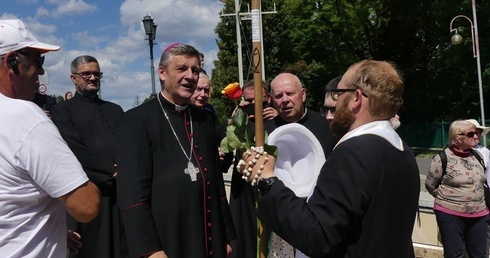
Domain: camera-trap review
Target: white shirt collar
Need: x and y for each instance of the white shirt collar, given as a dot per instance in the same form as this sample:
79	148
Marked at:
382	129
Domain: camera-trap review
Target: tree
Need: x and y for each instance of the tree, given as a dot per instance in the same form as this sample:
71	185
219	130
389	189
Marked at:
58	98
137	101
318	40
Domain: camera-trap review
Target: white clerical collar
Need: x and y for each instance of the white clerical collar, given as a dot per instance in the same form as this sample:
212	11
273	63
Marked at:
382	129
303	116
177	107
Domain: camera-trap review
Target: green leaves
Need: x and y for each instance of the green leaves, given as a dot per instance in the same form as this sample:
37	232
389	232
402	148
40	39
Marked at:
236	134
237	138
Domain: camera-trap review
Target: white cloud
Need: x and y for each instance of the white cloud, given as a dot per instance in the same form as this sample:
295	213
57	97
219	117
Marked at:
177	20
71	7
120	47
42	12
86	40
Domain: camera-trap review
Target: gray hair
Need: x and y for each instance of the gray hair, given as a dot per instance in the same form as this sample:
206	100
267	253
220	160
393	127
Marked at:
457	127
80	61
177	50
203	75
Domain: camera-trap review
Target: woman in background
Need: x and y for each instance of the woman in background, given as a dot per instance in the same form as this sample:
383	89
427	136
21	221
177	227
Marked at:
68	95
459	204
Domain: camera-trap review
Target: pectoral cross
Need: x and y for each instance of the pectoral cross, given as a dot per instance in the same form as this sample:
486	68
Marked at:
191	171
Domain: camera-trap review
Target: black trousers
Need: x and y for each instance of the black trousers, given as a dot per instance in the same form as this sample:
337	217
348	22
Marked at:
459	234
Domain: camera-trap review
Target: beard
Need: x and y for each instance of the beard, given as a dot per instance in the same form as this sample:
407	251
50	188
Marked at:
342	120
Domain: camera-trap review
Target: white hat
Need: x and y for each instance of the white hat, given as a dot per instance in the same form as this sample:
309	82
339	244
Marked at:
14	36
300	157
484	129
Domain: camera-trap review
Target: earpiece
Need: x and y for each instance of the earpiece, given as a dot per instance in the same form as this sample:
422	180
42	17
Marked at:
14	63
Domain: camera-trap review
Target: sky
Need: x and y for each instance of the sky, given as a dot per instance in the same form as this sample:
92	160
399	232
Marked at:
112	32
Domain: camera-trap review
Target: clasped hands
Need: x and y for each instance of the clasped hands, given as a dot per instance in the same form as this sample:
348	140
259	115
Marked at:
256	164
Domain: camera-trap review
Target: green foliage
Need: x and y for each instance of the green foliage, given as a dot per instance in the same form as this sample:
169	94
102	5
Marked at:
319	40
58	98
237	138
236	134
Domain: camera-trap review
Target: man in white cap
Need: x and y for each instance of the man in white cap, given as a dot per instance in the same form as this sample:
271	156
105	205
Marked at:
366	196
39	175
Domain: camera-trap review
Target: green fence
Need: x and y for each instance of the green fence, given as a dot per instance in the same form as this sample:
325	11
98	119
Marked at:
426	135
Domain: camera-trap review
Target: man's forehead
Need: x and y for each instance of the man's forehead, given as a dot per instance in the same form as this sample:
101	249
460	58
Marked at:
88	65
201	86
343	82
184	59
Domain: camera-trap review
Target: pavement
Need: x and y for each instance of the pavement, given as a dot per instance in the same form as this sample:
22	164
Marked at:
426	200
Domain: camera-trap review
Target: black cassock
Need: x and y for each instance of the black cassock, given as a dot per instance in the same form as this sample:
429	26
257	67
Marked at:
162	208
243	195
363	205
88	126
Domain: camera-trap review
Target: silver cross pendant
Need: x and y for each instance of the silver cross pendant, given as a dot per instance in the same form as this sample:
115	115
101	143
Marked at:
192	171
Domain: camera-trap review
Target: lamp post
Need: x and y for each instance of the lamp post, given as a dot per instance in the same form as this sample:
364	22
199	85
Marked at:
456	39
150	30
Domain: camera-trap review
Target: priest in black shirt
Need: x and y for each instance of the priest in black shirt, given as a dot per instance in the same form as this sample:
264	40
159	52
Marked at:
171	190
88	125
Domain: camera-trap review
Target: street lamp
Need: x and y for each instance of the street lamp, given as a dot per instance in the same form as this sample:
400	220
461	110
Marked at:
150	30
456	39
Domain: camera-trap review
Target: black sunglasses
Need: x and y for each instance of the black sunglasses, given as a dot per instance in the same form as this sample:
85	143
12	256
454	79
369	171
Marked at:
88	75
39	59
468	134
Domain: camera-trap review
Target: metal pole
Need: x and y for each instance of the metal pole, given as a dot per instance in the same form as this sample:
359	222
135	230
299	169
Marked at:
239	43
476	45
262	44
152	67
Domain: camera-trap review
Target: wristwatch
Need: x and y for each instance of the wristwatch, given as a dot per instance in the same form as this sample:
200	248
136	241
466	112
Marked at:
265	184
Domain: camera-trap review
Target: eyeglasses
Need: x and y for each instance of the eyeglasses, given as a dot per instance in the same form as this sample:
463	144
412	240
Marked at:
39	59
88	75
468	134
336	93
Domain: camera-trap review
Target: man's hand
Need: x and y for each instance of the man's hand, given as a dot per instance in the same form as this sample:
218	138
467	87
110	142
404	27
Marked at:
73	242
229	250
270	113
256	164
221	154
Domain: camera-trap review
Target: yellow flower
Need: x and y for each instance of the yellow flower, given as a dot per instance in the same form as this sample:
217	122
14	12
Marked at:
232	91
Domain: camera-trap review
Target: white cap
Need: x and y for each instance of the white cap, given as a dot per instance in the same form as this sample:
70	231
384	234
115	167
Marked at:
14	36
484	129
300	157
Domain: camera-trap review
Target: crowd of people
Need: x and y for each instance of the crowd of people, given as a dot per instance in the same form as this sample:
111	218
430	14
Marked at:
83	178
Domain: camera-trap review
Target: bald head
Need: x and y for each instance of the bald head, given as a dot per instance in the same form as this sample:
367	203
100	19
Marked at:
288	96
286	78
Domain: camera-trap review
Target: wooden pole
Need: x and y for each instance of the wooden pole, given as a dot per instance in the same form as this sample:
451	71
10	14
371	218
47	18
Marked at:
263	233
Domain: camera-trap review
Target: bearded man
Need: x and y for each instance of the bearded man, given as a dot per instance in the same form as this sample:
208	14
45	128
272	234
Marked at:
366	196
